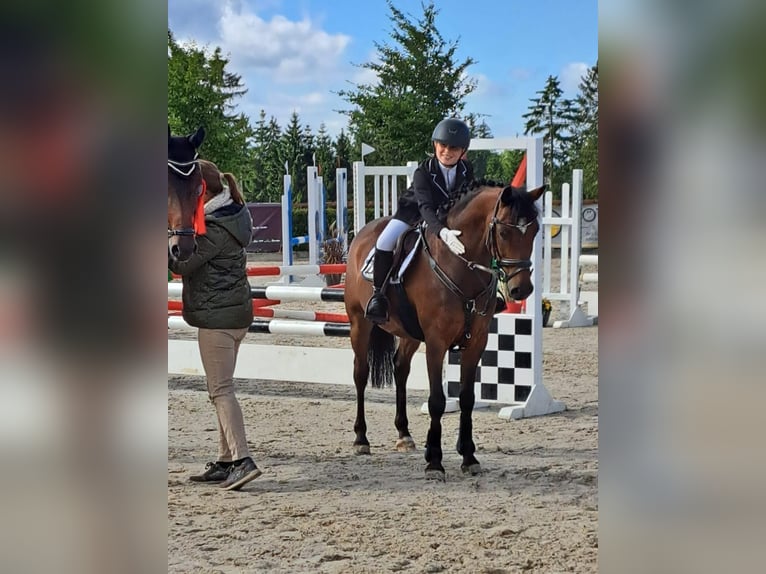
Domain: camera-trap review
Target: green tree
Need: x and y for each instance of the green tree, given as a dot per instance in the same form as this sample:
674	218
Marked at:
201	92
325	158
502	166
342	151
584	130
481	158
419	82
295	149
551	116
268	167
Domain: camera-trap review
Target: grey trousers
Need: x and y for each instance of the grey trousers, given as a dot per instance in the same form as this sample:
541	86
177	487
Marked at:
218	349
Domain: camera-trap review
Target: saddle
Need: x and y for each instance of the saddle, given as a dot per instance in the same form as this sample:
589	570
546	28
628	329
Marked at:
404	252
407	246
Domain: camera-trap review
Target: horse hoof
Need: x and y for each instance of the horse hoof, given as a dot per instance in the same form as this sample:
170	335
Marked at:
362	449
472	469
434	474
405	444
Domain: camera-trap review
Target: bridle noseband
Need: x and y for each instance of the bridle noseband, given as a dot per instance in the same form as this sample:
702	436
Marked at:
177	167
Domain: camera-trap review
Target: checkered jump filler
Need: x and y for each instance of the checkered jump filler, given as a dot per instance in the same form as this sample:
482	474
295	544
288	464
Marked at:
507	373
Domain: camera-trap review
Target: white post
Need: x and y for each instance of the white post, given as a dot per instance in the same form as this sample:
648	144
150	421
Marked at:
313	214
359	195
577	317
566	232
547	240
574	287
341	205
376	195
287	219
322	191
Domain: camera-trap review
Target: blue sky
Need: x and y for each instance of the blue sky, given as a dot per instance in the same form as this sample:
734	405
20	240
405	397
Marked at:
293	54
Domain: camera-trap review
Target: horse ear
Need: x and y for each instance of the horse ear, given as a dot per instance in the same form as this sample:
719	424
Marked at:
507	195
169	136
537	192
197	139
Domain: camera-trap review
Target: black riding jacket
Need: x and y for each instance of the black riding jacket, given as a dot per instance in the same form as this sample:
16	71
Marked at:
429	192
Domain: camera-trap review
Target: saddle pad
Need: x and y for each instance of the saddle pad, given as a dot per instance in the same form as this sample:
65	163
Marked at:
399	274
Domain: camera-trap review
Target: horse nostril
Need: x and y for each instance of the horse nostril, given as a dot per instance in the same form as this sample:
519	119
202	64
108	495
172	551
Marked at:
175	251
518	293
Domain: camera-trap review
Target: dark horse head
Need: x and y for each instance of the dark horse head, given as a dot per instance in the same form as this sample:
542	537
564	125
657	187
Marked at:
185	191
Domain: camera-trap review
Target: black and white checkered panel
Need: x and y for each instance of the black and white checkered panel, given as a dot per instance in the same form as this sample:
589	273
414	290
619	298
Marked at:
505	374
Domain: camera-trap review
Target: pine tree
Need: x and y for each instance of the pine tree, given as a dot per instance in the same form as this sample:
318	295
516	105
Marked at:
325	155
550	116
294	148
201	92
585	132
419	82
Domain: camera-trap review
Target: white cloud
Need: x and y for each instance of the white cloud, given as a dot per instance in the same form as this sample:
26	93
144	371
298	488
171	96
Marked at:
365	76
520	74
290	51
488	89
571	76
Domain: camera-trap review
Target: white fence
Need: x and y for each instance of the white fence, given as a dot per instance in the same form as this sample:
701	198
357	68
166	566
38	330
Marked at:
570	245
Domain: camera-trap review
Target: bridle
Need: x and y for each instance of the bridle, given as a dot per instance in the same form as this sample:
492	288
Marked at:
179	168
496	270
498	261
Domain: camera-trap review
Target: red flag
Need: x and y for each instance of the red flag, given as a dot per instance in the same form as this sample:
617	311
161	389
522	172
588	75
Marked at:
520	179
199	213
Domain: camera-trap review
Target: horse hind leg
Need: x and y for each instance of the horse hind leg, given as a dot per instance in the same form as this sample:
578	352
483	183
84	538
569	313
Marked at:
360	341
402	363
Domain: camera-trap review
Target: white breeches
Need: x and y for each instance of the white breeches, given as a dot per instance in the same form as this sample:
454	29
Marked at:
387	239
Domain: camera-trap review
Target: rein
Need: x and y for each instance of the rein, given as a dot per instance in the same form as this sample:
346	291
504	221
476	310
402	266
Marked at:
496	270
469	303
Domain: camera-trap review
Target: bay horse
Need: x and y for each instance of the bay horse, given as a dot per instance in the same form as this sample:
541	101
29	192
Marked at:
185	191
453	300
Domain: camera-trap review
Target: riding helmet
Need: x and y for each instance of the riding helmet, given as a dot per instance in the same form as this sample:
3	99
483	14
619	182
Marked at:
452	131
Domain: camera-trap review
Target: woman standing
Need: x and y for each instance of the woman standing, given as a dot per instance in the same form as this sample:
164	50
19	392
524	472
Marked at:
217	300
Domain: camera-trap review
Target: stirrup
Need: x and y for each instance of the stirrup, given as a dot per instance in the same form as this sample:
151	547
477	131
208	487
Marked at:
373	314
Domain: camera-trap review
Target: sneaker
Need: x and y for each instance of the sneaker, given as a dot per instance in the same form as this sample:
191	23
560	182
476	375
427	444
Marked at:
241	474
214	472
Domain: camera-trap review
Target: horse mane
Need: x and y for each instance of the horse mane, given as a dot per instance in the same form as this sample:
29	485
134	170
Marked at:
215	180
462	197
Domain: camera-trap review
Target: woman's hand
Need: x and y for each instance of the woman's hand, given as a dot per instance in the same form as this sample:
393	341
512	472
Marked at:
450	237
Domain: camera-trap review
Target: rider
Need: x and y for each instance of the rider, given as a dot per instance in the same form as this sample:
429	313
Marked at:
432	183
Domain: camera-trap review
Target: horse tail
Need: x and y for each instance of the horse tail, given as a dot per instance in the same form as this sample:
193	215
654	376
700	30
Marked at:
380	356
236	195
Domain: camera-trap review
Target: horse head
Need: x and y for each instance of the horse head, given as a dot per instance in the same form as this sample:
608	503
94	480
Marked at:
185	191
511	234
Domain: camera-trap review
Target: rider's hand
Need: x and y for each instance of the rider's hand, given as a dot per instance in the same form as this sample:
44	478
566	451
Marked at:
450	237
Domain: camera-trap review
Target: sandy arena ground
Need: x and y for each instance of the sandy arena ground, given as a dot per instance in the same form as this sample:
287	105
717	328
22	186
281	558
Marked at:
320	508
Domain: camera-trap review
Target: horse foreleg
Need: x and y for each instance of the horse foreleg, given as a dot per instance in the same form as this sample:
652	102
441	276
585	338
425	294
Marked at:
436	405
402	362
469	359
360	339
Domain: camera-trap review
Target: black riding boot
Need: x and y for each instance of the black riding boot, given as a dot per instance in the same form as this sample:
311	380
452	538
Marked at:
377	306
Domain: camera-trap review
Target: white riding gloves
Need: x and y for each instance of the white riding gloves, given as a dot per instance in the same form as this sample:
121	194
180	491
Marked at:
450	237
